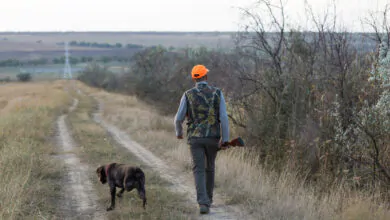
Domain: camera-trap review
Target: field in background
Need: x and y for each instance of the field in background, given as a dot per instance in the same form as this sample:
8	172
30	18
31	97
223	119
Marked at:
239	178
175	39
55	71
33	46
27	46
38	73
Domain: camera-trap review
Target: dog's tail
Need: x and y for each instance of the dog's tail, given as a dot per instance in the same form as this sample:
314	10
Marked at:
141	186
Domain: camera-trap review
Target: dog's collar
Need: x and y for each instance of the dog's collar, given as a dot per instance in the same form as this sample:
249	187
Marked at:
107	166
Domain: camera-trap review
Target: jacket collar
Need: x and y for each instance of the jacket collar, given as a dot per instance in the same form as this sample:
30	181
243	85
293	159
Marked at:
201	83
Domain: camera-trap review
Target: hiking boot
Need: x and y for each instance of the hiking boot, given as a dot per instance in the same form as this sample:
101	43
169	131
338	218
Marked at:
204	209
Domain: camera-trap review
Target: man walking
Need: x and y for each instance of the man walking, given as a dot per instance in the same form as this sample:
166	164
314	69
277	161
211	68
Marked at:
207	119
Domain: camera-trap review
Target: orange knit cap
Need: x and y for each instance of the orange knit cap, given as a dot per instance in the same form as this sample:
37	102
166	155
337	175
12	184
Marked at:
199	71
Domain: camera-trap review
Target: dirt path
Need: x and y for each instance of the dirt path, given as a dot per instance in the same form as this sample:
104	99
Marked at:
79	199
180	182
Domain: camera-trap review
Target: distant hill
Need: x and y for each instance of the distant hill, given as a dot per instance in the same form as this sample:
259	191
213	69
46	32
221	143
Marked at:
33	45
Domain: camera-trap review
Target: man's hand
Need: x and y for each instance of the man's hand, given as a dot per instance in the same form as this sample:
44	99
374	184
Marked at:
180	137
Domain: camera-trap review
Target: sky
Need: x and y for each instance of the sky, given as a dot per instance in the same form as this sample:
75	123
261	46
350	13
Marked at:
159	15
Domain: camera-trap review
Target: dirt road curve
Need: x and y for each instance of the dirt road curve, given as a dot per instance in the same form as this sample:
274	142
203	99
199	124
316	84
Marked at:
180	183
79	199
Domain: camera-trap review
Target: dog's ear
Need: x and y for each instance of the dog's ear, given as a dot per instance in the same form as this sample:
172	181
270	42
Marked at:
100	171
101	174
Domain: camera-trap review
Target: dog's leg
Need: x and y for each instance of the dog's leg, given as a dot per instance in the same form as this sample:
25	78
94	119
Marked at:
112	191
141	186
121	192
143	197
142	193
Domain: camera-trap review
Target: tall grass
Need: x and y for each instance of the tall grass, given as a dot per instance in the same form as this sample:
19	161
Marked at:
239	177
27	116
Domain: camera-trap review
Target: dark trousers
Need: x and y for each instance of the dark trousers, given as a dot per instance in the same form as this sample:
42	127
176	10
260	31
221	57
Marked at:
204	152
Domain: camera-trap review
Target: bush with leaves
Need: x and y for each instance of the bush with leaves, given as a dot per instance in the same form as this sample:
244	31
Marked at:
161	76
366	138
24	77
97	75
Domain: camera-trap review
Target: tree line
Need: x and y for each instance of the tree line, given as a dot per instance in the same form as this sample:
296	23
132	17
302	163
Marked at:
61	60
102	45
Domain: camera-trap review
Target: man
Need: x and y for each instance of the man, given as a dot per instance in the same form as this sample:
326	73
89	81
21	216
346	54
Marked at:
205	109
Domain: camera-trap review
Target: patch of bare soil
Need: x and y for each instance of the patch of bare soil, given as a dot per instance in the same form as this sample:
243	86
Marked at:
79	199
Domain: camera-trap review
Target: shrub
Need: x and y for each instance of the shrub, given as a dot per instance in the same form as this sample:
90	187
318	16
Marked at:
24	77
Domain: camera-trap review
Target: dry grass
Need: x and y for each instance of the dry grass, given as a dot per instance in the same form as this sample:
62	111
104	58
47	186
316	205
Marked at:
267	195
28	112
97	148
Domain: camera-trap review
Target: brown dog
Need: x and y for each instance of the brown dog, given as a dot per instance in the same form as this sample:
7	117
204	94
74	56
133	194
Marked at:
122	176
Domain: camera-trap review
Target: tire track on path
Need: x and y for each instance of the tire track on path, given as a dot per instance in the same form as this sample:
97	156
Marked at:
79	198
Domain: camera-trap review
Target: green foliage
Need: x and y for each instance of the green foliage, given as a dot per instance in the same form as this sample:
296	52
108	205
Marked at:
86	59
17	63
24	77
41	61
58	60
10	62
134	46
106	59
103	45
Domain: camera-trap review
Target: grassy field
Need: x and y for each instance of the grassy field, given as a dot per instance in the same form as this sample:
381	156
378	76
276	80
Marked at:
239	178
29	174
